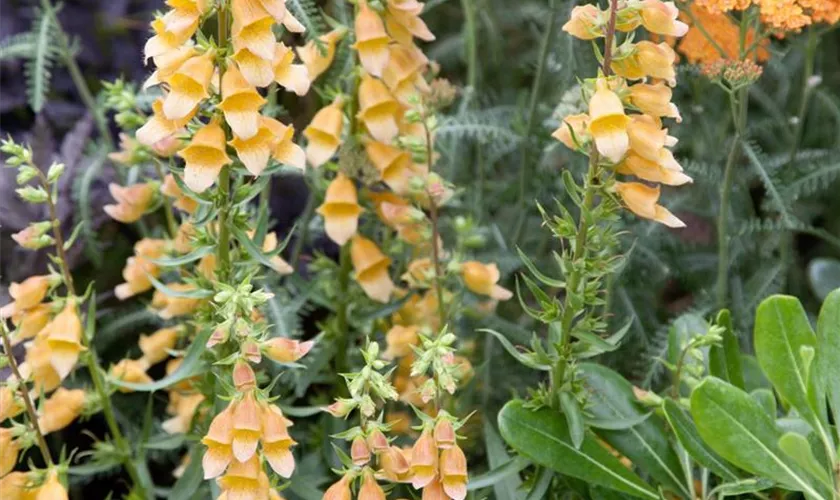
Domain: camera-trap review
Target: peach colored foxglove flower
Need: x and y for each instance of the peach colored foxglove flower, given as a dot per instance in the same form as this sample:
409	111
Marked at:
371	267
188	86
642	201
608	123
324	134
378	109
317	62
482	279
341	209
240	104
371	40
61	409
26	294
64	336
132	201
292	77
204	156
159	128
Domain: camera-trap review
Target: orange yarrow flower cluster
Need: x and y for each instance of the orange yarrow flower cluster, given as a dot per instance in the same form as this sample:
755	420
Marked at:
781	15
632	144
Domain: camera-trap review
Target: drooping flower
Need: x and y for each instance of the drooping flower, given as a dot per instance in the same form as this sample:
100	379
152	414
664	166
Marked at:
252	28
483	279
370	489
38	368
204	156
324	134
158	128
453	472
156	347
585	23
402	19
132	201
395	464
661	18
654	100
341	209
169	62
170	33
171	189
371	40
138	268
61	409
242	481
240	104
378	109
9	449
132	371
27	294
318	55
169	307
404	73
340	490
608	123
276	442
371	267
292	77
30	322
188	86
572	130
218	440
285	350
64	335
255	152
642	200
394	164
52	489
400	339
10	404
424	460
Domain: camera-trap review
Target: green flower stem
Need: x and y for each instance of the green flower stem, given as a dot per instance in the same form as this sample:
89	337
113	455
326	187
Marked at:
471	36
536	90
171	225
342	333
24	394
91	361
807	90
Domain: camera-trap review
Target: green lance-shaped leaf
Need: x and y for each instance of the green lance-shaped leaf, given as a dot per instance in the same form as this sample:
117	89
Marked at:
191	365
646	444
734	425
828	350
574	418
797	447
741	487
186	485
526	358
543	437
686	432
784	347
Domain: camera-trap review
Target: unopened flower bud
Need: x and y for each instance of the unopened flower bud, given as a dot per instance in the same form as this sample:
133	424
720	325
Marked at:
251	351
359	451
377	441
32	194
55	171
340	408
444	433
284	350
34	237
243	376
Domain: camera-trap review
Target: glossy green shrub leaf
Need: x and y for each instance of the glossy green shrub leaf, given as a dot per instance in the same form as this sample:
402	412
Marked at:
543	437
828	351
798	448
741	487
784	346
574	418
645	444
736	427
686	432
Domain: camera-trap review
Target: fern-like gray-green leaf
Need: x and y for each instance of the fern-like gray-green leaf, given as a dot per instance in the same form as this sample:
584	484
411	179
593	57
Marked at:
19	46
38	68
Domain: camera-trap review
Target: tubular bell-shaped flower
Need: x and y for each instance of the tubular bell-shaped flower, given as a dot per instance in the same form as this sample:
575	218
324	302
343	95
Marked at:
204	156
371	40
608	123
341	210
318	56
371	267
240	104
324	133
378	109
188	86
642	201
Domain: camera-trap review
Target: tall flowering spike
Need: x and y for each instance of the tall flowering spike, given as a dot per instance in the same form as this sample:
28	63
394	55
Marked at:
204	156
483	278
252	28
240	104
453	472
293	77
341	210
394	164
608	123
371	40
642	201
316	60
132	201
64	338
661	18
158	128
218	441
26	295
371	267
378	109
61	409
276	442
188	86
324	134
